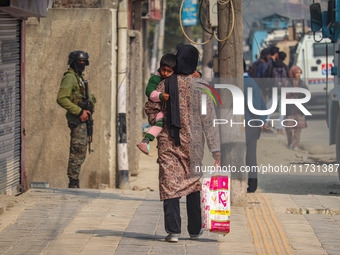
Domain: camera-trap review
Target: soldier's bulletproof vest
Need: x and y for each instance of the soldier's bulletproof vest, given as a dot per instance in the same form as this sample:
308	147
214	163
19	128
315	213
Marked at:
79	94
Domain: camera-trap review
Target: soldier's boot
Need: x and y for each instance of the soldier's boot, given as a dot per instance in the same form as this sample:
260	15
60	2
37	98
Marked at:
74	183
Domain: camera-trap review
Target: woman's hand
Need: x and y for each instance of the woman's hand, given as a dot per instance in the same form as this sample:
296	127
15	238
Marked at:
216	155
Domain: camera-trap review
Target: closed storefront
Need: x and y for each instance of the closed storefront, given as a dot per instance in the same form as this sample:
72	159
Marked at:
10	103
12	115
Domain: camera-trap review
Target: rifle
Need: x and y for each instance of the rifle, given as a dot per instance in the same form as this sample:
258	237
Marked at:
87	105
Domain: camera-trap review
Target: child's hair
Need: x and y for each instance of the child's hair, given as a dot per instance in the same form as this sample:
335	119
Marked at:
168	60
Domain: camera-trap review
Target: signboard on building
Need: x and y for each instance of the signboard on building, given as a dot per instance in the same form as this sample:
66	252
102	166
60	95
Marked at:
189	13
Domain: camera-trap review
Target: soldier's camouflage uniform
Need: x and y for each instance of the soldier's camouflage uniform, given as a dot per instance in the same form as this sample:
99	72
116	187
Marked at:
70	93
78	148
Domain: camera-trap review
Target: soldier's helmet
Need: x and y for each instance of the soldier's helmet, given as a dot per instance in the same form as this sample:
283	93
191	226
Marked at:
78	55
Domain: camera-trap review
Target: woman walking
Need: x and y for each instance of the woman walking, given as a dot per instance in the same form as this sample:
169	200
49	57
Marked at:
181	143
293	112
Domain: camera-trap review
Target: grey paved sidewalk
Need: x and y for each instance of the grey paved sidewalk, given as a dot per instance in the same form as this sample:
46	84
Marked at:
311	222
40	224
64	221
324	217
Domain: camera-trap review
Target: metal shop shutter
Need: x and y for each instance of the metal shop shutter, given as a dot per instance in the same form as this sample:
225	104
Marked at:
10	113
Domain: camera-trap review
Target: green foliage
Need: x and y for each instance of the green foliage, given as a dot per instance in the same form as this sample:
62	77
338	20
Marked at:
173	32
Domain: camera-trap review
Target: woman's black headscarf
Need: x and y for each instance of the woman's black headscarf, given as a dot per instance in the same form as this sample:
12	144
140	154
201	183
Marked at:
187	58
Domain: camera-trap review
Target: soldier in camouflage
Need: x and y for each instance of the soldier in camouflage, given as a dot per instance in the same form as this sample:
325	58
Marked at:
71	94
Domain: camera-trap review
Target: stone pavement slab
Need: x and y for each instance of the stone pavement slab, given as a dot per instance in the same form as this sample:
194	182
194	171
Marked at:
42	223
239	240
317	232
64	221
145	233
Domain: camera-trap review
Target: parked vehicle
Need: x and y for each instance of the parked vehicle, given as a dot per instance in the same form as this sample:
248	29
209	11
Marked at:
315	60
329	23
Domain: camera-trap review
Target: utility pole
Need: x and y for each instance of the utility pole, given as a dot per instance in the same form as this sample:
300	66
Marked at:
123	162
154	58
230	67
208	47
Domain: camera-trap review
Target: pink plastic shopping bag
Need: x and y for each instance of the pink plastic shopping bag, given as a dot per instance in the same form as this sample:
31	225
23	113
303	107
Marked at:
216	204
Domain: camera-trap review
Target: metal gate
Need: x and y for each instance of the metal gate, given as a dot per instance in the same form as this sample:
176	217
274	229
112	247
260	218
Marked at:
10	112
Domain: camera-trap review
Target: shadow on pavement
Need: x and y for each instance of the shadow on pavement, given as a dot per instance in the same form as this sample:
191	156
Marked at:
135	235
97	194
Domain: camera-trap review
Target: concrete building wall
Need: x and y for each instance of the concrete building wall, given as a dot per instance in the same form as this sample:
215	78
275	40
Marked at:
48	43
135	99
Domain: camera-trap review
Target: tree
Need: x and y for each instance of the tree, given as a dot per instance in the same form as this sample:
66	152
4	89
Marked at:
173	32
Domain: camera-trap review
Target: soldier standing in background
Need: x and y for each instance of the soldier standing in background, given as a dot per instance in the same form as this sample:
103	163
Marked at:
79	103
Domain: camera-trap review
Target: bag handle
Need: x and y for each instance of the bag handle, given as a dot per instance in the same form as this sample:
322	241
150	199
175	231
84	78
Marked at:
217	162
